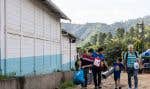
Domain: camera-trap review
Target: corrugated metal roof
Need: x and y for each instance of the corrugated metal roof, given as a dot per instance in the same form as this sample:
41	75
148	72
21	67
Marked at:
55	9
69	34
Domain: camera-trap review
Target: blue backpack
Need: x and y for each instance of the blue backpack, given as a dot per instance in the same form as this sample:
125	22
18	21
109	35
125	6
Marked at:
79	77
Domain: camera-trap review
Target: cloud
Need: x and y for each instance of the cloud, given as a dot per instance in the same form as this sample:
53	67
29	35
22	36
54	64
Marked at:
108	11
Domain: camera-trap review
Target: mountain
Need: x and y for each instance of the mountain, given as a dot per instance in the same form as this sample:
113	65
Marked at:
84	30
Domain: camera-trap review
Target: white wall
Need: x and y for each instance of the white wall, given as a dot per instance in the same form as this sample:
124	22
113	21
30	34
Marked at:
65	50
66	53
73	51
31	31
31	22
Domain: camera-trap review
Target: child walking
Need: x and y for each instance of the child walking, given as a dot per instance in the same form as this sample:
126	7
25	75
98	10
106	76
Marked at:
118	66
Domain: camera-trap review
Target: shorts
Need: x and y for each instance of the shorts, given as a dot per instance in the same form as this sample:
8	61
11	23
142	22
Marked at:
117	75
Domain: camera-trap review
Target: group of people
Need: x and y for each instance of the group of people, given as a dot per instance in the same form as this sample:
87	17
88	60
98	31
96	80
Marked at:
93	62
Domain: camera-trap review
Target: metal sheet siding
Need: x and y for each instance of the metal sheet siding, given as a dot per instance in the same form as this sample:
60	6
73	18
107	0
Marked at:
13	54
13	8
32	39
73	54
13	46
39	58
39	20
65	53
27	16
47	58
2	44
27	55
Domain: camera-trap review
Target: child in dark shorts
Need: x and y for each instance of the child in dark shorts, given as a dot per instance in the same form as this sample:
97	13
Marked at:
118	67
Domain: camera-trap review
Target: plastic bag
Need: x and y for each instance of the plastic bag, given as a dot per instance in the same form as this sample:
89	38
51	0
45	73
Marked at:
136	65
79	77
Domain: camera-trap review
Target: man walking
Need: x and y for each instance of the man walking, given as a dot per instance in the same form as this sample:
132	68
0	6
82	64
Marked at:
97	68
132	66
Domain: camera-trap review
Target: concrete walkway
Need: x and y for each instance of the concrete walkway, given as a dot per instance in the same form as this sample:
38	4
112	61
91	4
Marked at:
144	82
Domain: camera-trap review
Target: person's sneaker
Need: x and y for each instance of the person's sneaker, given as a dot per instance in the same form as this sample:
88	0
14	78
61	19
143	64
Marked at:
84	87
129	88
120	88
96	87
99	87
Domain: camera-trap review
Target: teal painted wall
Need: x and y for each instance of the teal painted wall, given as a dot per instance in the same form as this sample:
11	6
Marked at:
29	66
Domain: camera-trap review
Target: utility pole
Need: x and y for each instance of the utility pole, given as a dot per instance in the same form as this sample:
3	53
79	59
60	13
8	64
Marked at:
141	31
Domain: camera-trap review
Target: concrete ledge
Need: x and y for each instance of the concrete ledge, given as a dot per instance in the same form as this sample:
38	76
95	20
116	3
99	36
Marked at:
8	84
48	81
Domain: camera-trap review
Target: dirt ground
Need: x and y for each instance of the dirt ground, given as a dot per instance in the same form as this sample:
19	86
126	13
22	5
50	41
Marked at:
144	82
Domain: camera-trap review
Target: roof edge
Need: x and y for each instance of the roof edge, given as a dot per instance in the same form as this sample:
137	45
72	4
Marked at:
70	34
55	9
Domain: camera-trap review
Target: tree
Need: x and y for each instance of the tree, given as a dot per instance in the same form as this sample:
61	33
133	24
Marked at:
109	35
93	39
101	38
120	32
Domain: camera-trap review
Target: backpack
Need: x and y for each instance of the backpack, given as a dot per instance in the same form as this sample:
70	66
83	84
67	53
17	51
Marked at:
127	56
97	62
134	53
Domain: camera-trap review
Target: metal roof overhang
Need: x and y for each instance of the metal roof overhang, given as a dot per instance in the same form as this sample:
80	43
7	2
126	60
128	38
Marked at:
54	9
65	33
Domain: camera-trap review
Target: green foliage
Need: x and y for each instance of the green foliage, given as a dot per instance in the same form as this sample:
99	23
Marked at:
9	75
87	45
93	39
67	85
58	70
72	69
109	35
121	40
2	77
120	32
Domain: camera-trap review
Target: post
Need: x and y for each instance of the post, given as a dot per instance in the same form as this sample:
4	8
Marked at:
141	30
70	52
142	36
61	53
5	39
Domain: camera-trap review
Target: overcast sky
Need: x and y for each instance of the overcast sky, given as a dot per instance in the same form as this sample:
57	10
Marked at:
104	11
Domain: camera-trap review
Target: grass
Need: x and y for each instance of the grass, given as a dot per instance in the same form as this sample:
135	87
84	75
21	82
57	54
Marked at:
67	85
8	76
2	77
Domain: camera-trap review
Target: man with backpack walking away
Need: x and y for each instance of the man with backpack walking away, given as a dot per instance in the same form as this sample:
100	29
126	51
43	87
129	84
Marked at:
98	64
132	66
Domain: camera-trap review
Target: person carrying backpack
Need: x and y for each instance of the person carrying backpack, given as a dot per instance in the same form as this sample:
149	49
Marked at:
132	66
97	67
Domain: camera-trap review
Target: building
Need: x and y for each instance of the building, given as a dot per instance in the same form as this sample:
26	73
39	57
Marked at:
30	37
68	50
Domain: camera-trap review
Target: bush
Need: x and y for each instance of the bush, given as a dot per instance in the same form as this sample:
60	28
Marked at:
2	77
7	76
72	69
67	85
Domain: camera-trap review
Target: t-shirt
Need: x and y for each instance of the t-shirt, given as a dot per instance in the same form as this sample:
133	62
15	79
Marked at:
131	59
101	56
94	54
118	67
117	70
86	60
